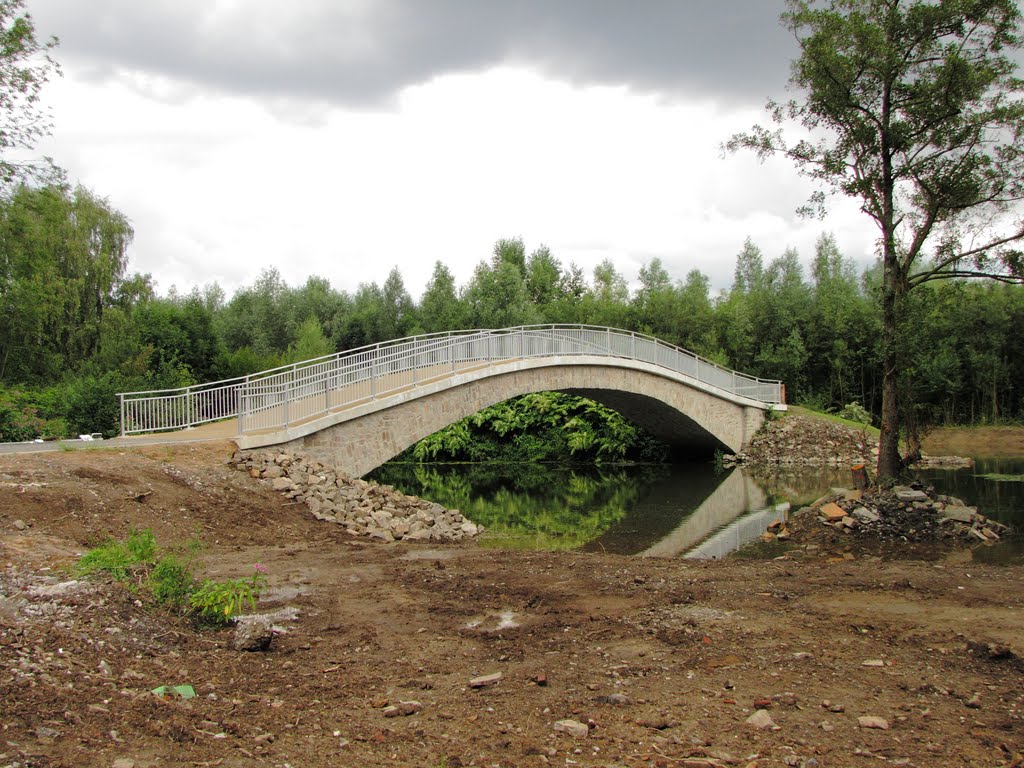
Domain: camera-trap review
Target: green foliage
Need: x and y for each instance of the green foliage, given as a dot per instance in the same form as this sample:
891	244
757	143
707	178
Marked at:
25	67
63	257
24	415
529	506
120	558
855	412
171	582
243	361
169	579
217	602
544	426
310	343
91	403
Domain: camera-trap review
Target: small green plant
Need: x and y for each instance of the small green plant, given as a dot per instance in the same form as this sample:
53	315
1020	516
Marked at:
120	558
171	582
217	602
855	412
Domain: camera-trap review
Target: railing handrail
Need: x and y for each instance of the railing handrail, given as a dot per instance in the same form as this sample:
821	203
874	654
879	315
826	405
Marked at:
226	398
445	334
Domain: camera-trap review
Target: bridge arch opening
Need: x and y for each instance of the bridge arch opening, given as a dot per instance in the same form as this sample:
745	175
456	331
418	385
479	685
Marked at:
570	426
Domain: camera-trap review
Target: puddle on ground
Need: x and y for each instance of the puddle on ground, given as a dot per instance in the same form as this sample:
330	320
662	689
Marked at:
493	622
282	593
428	554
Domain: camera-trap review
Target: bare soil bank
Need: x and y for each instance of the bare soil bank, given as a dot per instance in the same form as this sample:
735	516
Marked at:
979	442
693	648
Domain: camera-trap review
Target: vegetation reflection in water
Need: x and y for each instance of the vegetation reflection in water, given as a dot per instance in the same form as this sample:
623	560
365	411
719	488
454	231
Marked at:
528	506
625	509
628	509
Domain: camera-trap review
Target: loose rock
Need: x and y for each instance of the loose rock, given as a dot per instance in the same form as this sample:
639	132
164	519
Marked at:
572	727
253	634
762	720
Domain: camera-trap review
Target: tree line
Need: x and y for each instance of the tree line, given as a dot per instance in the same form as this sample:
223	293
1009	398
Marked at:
78	326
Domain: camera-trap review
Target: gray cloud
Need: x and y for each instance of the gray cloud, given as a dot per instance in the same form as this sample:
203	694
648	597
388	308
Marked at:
361	52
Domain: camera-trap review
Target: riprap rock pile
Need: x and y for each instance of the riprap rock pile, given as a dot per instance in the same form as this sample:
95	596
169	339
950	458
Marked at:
906	513
365	509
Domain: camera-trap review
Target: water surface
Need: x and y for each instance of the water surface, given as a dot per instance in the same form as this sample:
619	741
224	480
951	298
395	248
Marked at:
666	510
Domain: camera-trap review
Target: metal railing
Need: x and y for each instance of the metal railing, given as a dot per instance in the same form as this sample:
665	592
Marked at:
299	392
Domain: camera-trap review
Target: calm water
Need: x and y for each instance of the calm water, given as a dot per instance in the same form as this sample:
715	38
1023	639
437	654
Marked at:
669	510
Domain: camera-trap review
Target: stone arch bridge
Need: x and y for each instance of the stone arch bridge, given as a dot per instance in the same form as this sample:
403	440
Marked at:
358	409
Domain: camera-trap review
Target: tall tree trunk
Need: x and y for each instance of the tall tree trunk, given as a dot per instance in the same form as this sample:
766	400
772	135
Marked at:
889	440
893	291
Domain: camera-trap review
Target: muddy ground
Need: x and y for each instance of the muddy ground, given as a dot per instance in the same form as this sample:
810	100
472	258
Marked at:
694	648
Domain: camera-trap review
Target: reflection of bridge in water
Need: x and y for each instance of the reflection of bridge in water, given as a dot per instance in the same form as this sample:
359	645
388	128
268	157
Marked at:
681	510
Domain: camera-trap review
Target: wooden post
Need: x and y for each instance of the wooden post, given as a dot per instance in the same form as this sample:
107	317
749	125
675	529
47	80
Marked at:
859	473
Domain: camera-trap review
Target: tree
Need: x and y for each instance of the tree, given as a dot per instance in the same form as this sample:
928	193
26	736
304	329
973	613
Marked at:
749	273
915	110
496	296
654	308
25	67
608	300
440	308
310	343
397	311
63	257
543	278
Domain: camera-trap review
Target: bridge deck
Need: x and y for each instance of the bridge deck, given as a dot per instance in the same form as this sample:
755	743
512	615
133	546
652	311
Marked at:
391	385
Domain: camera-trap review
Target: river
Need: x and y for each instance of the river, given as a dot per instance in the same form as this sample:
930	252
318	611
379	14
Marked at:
667	510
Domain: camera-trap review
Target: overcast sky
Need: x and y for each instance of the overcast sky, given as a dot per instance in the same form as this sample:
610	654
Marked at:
344	137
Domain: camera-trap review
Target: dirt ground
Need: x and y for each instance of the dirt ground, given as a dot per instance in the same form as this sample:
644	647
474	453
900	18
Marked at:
664	659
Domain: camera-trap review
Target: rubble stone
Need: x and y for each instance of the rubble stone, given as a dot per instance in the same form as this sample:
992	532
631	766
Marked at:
364	509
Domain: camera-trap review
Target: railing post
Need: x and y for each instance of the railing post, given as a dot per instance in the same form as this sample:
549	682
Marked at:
120	396
327	388
373	375
287	399
243	394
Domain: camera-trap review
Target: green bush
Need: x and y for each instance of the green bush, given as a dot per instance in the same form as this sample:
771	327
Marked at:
171	582
26	415
217	602
855	412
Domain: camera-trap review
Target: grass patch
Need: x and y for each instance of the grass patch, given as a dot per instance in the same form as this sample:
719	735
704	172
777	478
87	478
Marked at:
798	410
120	558
169	579
997	477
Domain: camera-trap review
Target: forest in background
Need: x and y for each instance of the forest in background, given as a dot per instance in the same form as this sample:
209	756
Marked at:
78	326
